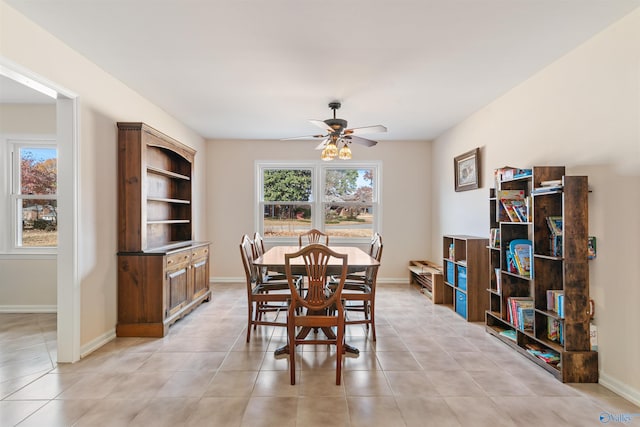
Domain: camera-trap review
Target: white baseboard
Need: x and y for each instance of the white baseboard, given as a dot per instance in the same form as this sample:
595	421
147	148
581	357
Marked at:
393	280
227	280
28	308
95	344
620	388
402	280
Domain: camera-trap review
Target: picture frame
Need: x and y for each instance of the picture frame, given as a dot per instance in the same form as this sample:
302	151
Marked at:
466	169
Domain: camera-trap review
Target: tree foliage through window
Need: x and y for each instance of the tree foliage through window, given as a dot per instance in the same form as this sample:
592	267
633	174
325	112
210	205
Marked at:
287	185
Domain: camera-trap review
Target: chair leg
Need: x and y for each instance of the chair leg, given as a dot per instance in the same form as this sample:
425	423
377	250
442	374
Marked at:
339	355
249	320
373	319
291	330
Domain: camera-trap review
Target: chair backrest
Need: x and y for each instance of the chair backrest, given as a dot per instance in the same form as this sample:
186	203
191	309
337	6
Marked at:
316	260
246	252
375	250
376	253
313	236
258	245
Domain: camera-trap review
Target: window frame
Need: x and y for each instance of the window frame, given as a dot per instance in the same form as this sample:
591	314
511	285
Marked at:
318	181
11	216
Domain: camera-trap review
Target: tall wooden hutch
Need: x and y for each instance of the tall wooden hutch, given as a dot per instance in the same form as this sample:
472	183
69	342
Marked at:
162	273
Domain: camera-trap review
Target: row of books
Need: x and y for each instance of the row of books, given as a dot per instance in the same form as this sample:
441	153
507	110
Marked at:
549	186
494	237
555	301
515	205
520	312
519	257
507	173
555	330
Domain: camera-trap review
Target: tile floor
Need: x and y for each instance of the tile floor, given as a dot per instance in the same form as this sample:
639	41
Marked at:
428	367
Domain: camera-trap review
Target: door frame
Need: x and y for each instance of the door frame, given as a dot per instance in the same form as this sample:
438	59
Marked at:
67	138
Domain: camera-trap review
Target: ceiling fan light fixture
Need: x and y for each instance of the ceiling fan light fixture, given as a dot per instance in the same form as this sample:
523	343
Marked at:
332	149
345	152
325	155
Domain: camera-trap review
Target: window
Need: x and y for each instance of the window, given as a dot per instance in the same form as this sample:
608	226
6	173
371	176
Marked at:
33	194
288	204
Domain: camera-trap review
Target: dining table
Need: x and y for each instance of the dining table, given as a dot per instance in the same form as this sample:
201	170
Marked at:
358	260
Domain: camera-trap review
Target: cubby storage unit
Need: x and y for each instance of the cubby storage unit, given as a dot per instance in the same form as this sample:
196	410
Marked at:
465	265
557	340
428	275
162	273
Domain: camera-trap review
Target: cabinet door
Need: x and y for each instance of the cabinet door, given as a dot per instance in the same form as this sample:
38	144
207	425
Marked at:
177	283
200	272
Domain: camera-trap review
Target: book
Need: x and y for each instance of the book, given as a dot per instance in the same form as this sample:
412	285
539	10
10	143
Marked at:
520	250
509	333
498	281
551	183
521	210
553	329
591	247
555	225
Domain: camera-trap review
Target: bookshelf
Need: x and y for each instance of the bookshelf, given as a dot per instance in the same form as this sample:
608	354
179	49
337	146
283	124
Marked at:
555	339
162	273
428	275
465	263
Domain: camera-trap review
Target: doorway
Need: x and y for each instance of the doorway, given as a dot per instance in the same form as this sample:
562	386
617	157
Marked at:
68	283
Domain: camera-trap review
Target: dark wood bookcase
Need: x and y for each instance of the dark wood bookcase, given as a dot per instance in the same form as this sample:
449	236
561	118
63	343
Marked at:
162	273
464	266
565	271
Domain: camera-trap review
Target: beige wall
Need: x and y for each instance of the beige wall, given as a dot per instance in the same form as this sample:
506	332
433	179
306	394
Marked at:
26	285
406	203
582	111
103	101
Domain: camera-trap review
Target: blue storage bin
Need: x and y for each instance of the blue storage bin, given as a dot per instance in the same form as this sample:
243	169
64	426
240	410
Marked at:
461	303
462	278
450	272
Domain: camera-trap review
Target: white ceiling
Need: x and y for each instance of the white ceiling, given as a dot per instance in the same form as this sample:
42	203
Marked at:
259	69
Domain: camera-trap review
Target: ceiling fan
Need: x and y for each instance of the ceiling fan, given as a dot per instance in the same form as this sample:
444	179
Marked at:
338	134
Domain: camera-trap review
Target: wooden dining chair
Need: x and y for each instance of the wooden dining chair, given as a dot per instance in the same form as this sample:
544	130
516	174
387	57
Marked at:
375	241
359	291
313	236
317	306
263	296
258	251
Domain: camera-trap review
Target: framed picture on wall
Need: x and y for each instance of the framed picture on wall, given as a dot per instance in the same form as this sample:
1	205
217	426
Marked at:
466	169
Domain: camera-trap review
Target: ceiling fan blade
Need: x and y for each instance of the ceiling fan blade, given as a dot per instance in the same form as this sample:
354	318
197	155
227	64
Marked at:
365	129
322	125
304	137
360	140
322	144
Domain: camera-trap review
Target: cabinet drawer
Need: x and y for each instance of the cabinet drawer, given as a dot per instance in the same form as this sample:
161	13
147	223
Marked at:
178	258
200	252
